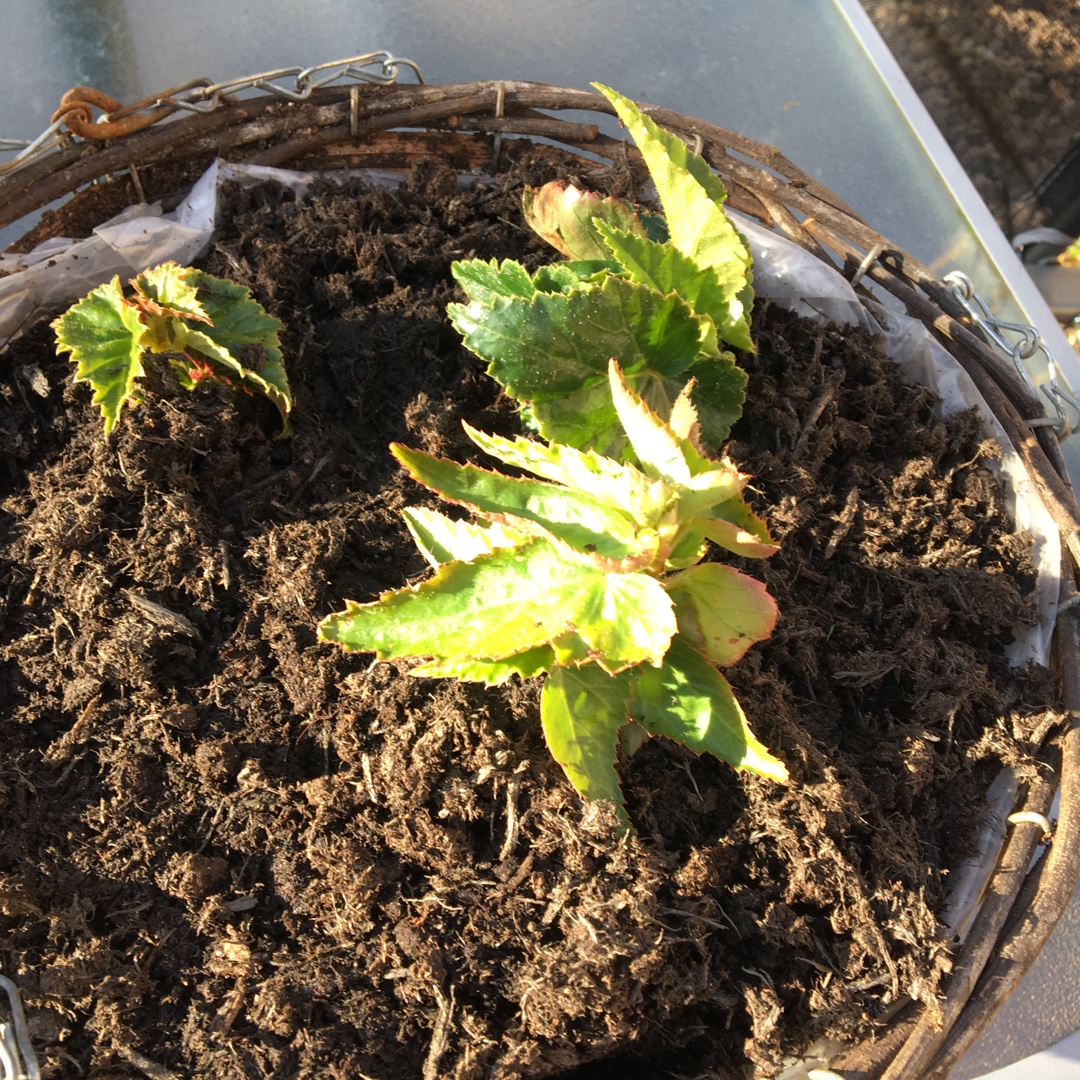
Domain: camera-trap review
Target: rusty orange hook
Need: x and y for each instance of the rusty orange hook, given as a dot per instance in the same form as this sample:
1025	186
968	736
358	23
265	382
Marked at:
76	110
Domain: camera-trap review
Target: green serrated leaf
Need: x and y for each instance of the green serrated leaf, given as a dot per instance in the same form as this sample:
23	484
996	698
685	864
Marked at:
102	333
577	518
242	337
565	277
721	612
689	701
508	602
442	539
582	711
586	418
552	352
693	199
484	281
666	269
551	345
206	326
527	665
567	218
621	486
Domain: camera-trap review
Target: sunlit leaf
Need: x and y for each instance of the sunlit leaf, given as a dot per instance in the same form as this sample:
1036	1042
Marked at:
244	337
693	199
621	486
665	268
689	701
508	602
721	612
102	332
168	290
552	343
442	539
484	282
582	711
658	448
736	528
565	277
207	327
575	517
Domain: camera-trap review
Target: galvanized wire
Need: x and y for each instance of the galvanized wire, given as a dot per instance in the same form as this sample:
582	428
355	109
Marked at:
203	96
1025	344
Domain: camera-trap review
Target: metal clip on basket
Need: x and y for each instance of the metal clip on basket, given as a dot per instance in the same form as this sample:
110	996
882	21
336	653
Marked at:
153	151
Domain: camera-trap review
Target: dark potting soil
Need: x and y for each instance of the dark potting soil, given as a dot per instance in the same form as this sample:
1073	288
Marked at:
232	851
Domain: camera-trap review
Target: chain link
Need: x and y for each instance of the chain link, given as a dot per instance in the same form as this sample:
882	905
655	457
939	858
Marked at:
203	96
1027	343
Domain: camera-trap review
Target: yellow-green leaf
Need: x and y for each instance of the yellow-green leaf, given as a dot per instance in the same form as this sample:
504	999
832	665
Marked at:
511	601
102	333
721	612
577	518
442	539
693	197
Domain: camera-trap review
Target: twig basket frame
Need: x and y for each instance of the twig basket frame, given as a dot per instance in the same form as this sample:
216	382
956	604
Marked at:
465	125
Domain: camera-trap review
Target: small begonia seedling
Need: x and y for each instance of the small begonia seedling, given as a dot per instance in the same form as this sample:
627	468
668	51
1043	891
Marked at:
593	574
210	329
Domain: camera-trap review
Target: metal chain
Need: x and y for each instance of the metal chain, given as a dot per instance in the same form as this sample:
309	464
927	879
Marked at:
201	96
1027	344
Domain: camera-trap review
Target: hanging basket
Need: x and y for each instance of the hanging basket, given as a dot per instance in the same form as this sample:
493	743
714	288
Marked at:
471	126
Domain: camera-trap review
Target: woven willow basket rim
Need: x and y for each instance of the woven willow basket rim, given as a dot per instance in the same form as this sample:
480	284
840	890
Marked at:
468	124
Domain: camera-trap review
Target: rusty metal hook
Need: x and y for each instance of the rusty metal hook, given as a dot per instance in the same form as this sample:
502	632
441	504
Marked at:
76	112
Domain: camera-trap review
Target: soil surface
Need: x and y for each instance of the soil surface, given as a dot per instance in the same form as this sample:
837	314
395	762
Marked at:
232	851
1001	80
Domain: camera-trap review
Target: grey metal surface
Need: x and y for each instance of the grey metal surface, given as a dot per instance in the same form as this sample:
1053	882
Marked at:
787	72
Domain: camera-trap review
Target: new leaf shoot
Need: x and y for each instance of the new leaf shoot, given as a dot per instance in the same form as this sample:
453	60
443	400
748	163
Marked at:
661	296
208	328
